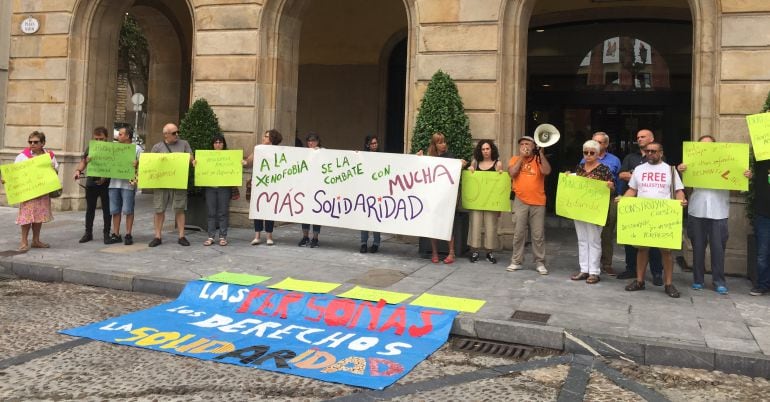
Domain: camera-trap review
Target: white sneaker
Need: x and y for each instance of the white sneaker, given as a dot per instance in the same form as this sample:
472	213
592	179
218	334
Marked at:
513	267
255	241
541	269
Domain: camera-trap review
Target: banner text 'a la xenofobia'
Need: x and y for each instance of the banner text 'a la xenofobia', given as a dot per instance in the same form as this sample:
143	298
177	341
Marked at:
391	193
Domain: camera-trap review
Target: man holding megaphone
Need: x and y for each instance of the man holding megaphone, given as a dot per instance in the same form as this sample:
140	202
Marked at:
528	170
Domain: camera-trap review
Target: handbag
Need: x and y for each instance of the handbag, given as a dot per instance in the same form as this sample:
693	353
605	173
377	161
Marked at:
55	194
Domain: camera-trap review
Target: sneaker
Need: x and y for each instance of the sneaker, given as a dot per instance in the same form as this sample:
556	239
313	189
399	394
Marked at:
722	290
626	275
541	269
256	241
671	291
697	286
155	242
758	291
269	242
374	248
475	256
114	238
128	240
304	242
657	280
363	249
183	241
513	267
634	286
86	238
491	258
314	243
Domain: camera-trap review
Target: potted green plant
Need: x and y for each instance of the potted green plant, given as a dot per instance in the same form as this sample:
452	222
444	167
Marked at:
198	126
751	246
442	111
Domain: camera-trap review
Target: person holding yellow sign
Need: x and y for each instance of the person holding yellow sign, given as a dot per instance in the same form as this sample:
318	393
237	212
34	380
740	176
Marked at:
486	158
589	235
37	211
655	179
707	224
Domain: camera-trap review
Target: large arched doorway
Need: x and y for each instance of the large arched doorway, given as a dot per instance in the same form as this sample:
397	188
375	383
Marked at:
168	28
549	74
329	67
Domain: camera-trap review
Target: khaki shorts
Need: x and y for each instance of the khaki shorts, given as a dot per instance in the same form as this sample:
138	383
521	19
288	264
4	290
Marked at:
161	197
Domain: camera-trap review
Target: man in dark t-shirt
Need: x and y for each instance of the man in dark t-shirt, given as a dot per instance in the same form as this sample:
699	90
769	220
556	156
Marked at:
96	189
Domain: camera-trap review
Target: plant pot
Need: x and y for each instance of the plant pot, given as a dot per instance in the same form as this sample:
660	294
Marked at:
196	216
460	232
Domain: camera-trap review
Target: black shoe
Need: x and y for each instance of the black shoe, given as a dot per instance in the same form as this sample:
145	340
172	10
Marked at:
657	280
183	241
304	242
634	286
128	240
671	291
86	238
363	249
475	256
374	248
155	242
114	238
758	291
491	258
626	275
314	243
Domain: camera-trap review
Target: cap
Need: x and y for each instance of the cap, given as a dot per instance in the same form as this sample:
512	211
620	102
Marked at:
526	137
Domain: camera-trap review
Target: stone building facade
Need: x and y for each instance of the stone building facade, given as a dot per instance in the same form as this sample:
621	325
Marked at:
347	69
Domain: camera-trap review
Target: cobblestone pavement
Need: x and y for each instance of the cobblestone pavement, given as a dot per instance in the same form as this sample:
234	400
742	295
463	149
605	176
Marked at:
36	363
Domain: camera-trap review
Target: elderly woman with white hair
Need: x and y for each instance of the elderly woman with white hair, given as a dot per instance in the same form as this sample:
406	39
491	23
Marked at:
589	235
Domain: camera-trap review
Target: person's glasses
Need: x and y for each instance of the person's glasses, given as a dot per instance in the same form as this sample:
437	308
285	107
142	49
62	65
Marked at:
33	142
651	151
587	153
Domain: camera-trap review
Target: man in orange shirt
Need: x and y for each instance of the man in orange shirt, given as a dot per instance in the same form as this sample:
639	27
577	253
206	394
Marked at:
528	171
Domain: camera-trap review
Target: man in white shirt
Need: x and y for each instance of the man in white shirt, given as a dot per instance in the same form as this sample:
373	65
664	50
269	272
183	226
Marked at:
654	179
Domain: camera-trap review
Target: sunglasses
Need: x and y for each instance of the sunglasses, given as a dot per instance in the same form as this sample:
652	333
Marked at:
591	153
651	151
33	142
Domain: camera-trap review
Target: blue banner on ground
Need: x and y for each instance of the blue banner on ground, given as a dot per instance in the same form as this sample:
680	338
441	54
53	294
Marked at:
354	342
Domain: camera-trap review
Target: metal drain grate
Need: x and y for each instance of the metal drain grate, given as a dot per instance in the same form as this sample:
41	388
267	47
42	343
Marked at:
509	350
530	316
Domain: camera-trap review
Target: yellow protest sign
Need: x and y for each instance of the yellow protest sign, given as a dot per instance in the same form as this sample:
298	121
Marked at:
236	278
448	303
715	165
582	199
305	286
486	191
111	159
376	295
759	131
650	222
29	179
218	168
164	170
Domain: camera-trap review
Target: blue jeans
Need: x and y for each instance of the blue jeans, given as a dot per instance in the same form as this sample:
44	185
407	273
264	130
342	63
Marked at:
656	261
712	233
218	205
365	238
762	235
122	199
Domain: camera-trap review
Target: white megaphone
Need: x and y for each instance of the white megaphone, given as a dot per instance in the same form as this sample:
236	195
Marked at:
546	135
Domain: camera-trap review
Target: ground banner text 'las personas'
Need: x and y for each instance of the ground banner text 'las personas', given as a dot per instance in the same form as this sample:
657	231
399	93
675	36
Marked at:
390	193
353	342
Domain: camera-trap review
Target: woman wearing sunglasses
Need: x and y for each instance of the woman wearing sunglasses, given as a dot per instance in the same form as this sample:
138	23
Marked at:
37	211
589	235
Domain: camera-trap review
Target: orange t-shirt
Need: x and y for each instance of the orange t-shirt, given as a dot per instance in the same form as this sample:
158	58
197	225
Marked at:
529	185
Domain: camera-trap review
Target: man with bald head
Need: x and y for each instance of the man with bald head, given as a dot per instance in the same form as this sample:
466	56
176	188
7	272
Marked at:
161	198
630	162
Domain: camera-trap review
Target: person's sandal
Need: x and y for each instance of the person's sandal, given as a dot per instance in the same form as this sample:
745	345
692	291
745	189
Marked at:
579	276
593	279
634	286
208	242
449	259
671	291
222	241
434	259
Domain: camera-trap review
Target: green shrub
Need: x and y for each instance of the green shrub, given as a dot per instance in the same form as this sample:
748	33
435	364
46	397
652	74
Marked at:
442	111
198	127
